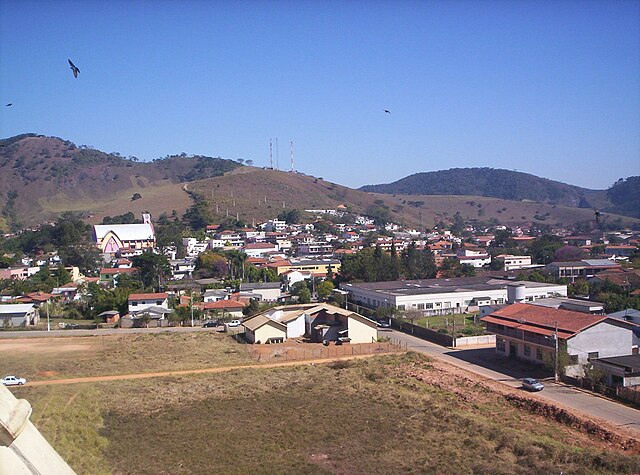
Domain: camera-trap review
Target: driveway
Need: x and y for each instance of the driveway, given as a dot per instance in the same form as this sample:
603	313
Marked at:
484	362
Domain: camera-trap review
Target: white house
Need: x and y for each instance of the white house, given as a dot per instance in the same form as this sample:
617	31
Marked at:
141	302
125	238
267	291
260	249
18	315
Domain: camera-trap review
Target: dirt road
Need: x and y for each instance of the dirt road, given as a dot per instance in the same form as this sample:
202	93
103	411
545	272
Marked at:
224	369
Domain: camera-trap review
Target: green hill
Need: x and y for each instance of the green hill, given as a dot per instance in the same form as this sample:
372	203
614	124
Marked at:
495	183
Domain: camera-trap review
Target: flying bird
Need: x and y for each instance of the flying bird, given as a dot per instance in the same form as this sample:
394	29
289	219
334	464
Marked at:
74	68
387	111
10	104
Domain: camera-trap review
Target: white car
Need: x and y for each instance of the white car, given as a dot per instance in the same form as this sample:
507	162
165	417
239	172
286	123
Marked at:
13	381
234	323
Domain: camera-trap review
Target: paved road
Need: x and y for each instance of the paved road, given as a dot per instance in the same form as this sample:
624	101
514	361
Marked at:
101	331
484	362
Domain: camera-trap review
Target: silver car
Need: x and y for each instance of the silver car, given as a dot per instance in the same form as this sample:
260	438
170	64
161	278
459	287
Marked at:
531	384
13	381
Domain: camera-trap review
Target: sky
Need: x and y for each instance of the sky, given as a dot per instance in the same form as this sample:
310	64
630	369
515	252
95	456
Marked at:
550	88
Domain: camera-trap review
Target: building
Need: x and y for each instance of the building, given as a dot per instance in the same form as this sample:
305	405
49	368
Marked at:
155	305
318	322
529	332
445	296
18	315
125	239
267	291
620	370
109	275
227	309
584	269
510	262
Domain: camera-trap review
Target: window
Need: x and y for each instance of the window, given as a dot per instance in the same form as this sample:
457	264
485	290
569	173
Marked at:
527	350
500	345
573	359
400	307
538	354
420	306
158	302
593	355
134	304
428	306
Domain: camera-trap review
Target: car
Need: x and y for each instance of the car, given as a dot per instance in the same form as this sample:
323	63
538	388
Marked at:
210	324
234	323
13	381
531	384
383	323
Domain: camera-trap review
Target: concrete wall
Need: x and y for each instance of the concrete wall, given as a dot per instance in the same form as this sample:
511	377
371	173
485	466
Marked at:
296	327
476	340
605	338
361	330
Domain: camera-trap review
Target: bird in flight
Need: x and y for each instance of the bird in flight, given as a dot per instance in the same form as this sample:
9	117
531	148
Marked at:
74	68
387	111
8	105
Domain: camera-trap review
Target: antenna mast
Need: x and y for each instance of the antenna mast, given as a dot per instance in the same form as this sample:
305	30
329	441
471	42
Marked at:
292	169
270	154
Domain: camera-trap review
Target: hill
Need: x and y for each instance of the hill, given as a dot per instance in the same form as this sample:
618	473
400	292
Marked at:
495	183
40	177
43	176
254	194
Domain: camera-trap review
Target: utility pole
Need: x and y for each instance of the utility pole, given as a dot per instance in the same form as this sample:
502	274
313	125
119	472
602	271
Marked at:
191	302
557	375
48	323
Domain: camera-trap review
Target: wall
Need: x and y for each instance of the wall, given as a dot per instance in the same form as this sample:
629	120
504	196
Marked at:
361	331
476	340
296	327
421	332
605	338
267	331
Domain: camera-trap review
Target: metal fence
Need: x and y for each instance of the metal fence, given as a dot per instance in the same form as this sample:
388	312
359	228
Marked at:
285	352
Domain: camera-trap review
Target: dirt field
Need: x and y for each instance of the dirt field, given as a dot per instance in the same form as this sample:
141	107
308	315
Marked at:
398	413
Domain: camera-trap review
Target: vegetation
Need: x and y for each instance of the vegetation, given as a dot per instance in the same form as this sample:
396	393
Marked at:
396	414
625	196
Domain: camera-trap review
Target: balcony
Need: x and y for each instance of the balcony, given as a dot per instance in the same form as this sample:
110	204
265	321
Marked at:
521	335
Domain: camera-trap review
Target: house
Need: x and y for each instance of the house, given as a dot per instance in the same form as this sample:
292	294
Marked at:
318	322
529	332
576	305
510	262
110	316
619	370
267	291
213	295
129	239
627	279
260	249
109	275
262	329
18	273
18	315
156	305
624	250
445	296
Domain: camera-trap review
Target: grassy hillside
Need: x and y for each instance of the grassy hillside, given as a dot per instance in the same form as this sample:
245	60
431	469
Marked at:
257	194
42	176
495	183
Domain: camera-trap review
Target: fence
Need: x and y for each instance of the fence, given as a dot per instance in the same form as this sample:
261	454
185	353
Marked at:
629	393
307	351
475	340
422	332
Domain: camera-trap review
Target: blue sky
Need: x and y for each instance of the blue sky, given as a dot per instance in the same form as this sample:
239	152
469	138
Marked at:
549	88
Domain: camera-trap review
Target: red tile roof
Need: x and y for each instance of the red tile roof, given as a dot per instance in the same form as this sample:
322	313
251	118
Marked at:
220	304
545	318
161	295
118	270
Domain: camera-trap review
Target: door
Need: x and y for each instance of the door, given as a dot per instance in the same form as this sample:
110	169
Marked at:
513	350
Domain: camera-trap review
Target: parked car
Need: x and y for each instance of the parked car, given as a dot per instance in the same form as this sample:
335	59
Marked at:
234	323
531	384
211	324
13	381
383	323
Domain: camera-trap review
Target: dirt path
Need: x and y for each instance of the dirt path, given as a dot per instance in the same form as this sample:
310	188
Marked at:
222	369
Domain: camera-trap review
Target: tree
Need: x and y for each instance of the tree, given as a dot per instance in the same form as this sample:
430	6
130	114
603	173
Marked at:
152	268
62	275
569	253
301	291
324	289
